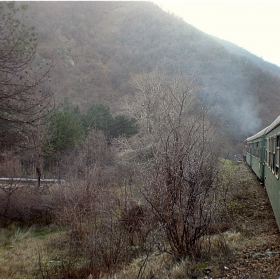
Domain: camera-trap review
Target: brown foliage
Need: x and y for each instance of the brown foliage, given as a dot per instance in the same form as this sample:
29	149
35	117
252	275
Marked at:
10	166
177	181
26	204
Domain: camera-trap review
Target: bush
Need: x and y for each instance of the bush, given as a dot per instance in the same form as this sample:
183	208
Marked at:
26	204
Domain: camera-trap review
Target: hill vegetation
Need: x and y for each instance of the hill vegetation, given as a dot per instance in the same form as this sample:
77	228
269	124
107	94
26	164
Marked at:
245	242
134	125
98	46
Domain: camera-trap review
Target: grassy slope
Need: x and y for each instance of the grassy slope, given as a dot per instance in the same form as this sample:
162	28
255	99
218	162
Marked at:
23	249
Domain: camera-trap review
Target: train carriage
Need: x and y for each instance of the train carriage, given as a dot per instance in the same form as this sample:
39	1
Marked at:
262	154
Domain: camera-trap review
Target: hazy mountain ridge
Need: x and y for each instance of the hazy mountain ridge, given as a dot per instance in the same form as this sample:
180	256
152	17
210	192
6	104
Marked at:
233	48
98	45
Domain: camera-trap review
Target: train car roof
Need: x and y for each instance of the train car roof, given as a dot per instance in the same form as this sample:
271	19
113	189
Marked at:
257	135
273	125
265	130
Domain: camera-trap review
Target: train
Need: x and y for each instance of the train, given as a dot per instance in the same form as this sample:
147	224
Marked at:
262	153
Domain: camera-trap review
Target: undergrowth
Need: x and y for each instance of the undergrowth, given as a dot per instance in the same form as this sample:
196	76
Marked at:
118	239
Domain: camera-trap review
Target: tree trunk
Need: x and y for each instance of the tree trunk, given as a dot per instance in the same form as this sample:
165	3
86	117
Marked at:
38	176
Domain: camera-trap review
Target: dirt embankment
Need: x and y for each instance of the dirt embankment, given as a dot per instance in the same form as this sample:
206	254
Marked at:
256	252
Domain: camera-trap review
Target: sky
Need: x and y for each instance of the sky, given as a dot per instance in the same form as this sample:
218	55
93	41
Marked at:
252	25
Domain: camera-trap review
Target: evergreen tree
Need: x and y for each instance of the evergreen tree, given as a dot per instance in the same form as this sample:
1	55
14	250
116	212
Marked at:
98	117
124	125
24	94
66	128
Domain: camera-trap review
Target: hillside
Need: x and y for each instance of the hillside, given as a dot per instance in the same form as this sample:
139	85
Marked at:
130	169
98	46
233	48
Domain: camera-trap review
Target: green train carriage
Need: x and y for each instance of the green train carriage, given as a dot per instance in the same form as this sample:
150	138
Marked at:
262	154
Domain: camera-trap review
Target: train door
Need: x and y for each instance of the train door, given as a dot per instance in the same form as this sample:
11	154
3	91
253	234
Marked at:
251	152
262	157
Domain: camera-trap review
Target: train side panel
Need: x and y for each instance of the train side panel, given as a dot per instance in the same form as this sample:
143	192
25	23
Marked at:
255	156
272	171
272	186
263	156
256	166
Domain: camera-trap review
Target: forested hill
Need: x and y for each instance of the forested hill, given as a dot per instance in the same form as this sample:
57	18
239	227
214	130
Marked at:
97	46
270	67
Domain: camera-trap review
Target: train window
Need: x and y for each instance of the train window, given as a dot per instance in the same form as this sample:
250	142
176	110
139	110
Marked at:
273	154
269	159
267	151
254	149
277	156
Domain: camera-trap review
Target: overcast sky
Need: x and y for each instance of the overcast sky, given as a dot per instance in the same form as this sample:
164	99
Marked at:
252	25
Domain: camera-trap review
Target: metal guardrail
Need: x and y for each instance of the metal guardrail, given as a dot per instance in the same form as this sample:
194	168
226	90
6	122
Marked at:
27	180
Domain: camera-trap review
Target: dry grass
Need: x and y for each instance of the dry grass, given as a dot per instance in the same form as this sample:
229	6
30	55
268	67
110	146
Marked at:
22	249
46	252
249	226
156	265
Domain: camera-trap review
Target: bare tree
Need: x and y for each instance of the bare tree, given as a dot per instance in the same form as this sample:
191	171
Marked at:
178	179
25	95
